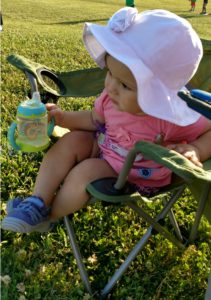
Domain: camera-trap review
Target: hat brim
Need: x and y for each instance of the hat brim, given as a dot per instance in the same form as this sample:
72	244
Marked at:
100	40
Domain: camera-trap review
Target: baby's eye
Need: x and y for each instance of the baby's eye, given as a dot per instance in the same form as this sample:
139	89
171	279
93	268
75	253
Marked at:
125	86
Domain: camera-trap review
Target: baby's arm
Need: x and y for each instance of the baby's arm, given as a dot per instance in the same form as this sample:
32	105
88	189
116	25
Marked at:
189	151
197	151
74	120
203	144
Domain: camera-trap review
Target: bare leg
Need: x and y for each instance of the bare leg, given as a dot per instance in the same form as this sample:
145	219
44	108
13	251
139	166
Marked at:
60	159
72	195
64	174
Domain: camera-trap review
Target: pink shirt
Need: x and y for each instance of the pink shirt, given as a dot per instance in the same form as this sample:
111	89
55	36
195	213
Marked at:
123	130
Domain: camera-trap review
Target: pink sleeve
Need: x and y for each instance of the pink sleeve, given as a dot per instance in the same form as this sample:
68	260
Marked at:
100	102
195	130
191	132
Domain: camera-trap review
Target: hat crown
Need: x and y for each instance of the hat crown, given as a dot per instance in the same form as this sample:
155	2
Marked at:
165	42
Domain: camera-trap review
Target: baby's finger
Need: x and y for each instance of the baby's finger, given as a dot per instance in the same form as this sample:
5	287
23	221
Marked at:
177	148
189	155
171	146
196	162
51	106
52	112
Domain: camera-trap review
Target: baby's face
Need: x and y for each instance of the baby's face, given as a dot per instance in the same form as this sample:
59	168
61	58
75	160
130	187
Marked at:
121	86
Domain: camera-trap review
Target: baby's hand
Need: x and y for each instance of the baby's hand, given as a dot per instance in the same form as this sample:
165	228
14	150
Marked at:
189	151
55	112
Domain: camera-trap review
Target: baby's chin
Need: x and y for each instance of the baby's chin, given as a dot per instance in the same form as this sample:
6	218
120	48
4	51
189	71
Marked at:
141	113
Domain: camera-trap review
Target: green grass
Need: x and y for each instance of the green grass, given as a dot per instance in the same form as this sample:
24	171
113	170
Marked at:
43	266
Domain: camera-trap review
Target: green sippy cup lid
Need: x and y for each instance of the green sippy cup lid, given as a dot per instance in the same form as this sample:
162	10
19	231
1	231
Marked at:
32	108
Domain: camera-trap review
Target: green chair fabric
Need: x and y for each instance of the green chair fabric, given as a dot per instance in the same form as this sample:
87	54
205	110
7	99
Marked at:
202	78
81	83
203	107
195	177
199	104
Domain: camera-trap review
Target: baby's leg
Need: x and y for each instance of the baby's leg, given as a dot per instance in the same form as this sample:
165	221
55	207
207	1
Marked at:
72	195
60	159
67	162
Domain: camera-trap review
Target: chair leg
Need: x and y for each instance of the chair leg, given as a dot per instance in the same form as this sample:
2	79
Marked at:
155	225
156	222
77	254
142	242
132	255
174	222
175	225
199	212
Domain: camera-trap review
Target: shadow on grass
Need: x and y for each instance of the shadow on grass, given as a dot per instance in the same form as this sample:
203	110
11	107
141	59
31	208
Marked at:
78	22
190	15
183	14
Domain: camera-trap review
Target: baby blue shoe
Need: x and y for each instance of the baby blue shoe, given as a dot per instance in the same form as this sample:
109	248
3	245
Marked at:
12	204
27	216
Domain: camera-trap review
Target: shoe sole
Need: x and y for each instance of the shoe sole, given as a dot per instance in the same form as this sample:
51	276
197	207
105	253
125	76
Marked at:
20	226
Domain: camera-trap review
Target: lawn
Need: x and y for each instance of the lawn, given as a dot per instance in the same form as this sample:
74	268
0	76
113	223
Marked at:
38	266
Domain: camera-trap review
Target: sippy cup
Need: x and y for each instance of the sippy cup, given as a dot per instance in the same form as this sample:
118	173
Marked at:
33	129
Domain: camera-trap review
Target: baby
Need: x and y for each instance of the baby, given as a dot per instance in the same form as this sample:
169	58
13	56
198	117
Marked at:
149	57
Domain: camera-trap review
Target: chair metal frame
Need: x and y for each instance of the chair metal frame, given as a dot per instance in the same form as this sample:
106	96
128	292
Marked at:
155	226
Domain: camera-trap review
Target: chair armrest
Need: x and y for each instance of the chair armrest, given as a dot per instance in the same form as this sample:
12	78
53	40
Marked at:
171	159
78	83
198	100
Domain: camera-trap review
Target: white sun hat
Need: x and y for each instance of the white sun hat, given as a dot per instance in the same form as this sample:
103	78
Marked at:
162	51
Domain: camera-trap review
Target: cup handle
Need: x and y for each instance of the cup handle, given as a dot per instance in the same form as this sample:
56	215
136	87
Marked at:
51	125
11	134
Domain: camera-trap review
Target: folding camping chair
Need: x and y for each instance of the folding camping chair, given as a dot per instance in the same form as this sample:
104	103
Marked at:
117	191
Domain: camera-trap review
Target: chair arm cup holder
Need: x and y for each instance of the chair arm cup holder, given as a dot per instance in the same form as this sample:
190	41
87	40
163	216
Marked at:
76	83
38	70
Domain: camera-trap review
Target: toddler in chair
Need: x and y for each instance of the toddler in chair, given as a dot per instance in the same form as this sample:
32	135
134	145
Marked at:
149	57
